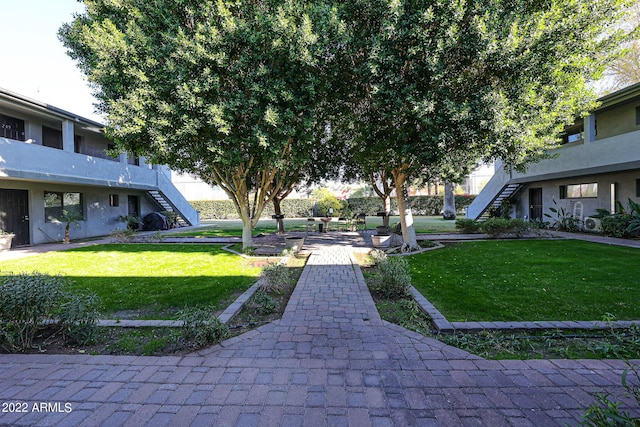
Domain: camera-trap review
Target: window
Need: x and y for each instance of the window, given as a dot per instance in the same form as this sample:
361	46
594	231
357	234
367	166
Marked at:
637	115
11	128
51	137
114	200
578	191
56	203
637	187
573	133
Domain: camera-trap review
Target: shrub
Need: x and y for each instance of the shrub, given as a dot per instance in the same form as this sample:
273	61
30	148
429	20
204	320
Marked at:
172	217
497	227
616	225
201	326
467	225
393	279
79	318
564	220
27	301
122	236
378	256
263	303
275	277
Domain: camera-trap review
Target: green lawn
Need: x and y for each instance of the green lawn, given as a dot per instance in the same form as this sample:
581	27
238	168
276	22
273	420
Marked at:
153	279
233	227
530	280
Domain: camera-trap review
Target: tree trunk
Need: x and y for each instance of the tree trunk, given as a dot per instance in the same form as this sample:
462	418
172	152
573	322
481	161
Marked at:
386	202
449	211
247	234
278	211
67	237
406	218
384	193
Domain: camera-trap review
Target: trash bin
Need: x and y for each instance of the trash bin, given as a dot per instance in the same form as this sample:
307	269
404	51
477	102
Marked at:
320	227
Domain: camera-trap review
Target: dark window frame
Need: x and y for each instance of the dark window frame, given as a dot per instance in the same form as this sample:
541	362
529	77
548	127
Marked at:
52	213
114	200
565	192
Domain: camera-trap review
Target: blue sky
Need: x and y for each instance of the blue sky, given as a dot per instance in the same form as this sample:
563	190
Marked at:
35	63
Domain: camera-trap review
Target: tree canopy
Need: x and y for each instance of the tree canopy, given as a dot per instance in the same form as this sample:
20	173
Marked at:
242	93
434	84
226	90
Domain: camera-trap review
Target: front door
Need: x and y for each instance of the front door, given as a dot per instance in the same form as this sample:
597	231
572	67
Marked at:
14	215
535	203
134	206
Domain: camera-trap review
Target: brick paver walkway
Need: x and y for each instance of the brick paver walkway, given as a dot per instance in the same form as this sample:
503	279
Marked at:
329	361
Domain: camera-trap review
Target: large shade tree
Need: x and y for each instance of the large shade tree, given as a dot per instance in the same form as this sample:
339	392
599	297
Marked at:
226	90
429	82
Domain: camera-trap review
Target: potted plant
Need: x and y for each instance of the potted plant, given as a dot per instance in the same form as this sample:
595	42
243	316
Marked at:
382	238
132	221
5	240
381	241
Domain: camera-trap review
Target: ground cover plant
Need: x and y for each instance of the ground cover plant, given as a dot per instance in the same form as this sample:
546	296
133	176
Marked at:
530	280
147	280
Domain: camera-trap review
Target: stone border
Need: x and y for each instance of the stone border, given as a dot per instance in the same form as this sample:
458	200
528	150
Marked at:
443	325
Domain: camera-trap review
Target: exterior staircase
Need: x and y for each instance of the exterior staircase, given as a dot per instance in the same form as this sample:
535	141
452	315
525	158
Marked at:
504	194
166	205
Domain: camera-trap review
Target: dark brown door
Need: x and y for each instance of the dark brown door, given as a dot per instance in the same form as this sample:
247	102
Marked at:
134	206
14	215
535	203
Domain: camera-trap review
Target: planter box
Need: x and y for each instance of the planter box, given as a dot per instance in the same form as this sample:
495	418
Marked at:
381	241
5	241
294	243
381	230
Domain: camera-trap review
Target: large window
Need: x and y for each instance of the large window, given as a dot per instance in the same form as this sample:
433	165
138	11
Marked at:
579	191
51	137
11	128
56	203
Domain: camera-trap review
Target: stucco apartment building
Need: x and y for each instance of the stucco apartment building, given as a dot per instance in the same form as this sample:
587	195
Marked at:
597	165
53	160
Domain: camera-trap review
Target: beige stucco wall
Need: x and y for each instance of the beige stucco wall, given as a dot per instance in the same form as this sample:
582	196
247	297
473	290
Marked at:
625	188
617	121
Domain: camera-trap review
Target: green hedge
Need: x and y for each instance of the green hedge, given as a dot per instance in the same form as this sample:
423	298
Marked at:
420	205
224	209
300	208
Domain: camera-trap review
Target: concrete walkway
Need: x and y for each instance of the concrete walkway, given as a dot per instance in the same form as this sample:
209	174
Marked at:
329	361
